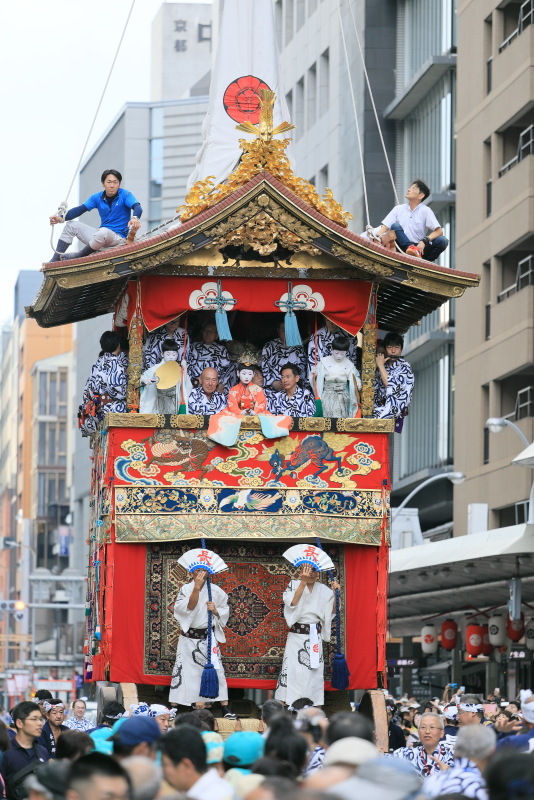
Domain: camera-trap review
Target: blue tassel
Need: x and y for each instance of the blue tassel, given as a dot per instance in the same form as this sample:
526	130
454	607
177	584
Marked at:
340	672
209	685
292	330
223	329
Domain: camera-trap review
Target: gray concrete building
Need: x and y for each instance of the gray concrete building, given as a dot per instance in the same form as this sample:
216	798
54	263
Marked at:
495	343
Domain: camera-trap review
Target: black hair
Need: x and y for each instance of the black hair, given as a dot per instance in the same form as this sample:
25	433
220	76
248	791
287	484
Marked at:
273	768
43	694
293	367
5	738
341	343
109	341
114	172
423	188
73	744
270	709
78	700
86	767
285	744
349	723
278	785
168	346
192	719
247	366
510	775
206	717
184	742
112	711
23	710
393	338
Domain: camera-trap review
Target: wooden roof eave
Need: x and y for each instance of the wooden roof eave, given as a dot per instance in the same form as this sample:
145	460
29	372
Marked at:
404	281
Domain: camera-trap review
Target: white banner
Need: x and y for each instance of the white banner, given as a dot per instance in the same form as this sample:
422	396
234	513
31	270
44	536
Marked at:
246	62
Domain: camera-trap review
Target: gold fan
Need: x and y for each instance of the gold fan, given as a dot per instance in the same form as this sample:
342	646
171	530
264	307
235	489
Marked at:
169	374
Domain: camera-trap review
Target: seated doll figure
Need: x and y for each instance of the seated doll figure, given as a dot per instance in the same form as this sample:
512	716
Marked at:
246	398
162	393
338	381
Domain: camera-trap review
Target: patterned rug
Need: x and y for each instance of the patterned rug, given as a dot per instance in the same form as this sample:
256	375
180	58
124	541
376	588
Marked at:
256	631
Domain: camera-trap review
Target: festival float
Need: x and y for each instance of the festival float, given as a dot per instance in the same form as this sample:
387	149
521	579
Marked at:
260	244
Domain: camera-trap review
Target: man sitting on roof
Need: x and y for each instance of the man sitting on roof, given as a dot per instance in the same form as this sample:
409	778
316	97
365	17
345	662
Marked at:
205	399
115	206
411	223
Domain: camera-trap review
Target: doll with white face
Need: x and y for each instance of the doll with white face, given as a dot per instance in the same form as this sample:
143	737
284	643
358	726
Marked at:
338	381
158	400
247	397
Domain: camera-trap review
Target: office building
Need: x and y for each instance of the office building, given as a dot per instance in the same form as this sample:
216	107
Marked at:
495	224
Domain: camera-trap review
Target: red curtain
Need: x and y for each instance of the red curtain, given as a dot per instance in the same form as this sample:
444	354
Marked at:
163	297
364	572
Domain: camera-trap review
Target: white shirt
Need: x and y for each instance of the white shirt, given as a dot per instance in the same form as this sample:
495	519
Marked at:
416	223
211	787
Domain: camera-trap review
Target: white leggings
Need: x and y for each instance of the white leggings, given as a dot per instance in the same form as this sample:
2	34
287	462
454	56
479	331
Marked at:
96	238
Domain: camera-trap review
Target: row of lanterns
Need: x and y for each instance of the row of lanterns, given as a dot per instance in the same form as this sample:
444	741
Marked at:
480	639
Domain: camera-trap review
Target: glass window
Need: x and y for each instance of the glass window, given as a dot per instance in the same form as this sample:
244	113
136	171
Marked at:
324	82
41	450
41	494
62	387
62	445
42	392
62	489
53	393
51	444
156	122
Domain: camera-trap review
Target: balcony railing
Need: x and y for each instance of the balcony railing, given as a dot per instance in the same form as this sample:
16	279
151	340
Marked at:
526	18
525	148
524	277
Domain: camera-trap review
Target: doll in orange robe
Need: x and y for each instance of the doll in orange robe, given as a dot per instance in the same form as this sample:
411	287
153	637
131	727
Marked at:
245	398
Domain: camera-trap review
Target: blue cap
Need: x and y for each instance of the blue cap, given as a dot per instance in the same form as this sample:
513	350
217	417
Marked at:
135	730
243	748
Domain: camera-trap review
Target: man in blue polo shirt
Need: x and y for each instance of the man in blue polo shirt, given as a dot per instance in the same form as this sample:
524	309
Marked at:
23	754
416	228
120	212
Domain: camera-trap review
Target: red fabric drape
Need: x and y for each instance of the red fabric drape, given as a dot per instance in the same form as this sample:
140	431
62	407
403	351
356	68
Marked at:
163	298
363	570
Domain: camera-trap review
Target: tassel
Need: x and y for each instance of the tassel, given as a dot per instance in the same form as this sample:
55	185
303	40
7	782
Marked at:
182	408
318	407
223	329
292	330
340	672
209	685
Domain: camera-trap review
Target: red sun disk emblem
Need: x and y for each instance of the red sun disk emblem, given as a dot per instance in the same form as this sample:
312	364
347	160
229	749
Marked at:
241	99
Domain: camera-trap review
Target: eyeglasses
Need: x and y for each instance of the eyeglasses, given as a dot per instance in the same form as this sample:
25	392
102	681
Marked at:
433	728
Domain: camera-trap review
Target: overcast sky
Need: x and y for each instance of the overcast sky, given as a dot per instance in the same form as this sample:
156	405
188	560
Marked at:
54	59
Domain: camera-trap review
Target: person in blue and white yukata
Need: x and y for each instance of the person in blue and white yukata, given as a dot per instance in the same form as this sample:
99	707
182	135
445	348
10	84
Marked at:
105	389
394	382
205	399
275	355
210	353
153	347
120	212
474	748
293	400
432	755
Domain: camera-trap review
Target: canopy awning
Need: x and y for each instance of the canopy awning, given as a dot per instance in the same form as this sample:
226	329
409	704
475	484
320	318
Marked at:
162	298
450	576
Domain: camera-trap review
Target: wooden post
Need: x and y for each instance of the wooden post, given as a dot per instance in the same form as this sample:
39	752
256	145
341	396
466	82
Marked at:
135	361
368	368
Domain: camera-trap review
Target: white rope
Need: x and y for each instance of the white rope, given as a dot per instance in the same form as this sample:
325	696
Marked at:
62	210
373	103
358	135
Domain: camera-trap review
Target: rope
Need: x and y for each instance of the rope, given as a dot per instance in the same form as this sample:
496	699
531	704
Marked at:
353	99
373	104
63	205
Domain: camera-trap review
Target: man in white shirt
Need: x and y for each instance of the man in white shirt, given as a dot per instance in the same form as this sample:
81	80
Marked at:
416	228
184	763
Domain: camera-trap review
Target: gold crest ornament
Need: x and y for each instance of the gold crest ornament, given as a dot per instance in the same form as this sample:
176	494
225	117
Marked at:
262	154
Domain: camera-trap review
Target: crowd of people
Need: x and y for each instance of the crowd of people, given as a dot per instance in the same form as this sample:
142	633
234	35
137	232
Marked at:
448	750
320	378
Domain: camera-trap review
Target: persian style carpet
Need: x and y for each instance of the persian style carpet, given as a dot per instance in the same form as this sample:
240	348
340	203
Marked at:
255	582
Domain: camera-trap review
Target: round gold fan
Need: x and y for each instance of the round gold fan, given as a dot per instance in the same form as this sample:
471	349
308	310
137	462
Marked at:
169	374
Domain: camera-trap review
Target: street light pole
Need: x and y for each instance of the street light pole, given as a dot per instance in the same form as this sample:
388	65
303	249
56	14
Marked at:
454	477
496	425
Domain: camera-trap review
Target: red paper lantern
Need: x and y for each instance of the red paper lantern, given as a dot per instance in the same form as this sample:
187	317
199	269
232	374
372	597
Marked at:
473	639
515	628
449	634
487	647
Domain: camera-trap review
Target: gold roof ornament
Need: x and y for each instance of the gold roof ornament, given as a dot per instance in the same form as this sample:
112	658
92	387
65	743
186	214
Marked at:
262	154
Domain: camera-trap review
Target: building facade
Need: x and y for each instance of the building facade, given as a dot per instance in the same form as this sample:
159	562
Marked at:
495	343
